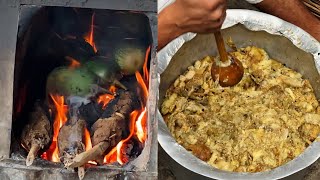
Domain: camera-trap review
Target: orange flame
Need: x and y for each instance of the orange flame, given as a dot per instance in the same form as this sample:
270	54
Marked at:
137	120
111	156
89	36
145	66
52	154
140	124
106	98
115	154
73	62
143	86
87	139
112	89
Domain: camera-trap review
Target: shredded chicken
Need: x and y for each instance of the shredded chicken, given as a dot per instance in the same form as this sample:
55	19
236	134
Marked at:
266	120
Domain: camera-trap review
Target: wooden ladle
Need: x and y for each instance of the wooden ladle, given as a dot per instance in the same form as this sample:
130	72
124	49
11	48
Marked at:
228	69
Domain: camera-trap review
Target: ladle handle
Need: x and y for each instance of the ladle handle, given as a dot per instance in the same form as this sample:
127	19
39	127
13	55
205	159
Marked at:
221	48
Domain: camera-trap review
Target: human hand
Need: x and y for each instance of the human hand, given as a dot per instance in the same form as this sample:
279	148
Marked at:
199	16
182	16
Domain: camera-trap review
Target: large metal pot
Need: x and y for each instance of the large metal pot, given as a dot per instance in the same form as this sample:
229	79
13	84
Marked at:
282	41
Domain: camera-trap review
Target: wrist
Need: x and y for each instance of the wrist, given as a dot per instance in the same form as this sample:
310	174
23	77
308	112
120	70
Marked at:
173	17
167	26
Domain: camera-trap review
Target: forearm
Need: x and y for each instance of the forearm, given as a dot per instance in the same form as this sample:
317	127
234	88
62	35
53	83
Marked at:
167	28
294	12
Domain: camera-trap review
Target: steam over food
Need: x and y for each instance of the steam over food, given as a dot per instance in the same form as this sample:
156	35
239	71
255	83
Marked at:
266	120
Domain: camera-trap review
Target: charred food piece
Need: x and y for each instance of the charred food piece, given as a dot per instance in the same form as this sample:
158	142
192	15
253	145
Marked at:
37	134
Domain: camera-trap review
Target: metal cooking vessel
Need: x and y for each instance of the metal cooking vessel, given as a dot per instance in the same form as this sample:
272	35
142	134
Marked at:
282	41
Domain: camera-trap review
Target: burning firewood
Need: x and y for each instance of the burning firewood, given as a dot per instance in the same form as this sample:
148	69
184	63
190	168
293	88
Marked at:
91	112
70	142
37	134
107	132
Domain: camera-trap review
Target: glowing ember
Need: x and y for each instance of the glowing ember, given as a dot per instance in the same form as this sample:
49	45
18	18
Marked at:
52	153
89	36
73	63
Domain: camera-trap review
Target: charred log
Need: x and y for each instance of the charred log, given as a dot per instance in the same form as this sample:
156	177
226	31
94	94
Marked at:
91	112
124	102
133	148
70	142
105	128
37	134
70	139
108	132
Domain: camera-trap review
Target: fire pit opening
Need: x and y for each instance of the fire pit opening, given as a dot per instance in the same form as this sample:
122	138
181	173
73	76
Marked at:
81	87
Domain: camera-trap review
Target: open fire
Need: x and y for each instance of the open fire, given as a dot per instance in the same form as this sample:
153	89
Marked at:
52	154
96	106
137	122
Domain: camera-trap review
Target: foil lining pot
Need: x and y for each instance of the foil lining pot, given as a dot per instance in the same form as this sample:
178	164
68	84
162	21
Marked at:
283	41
